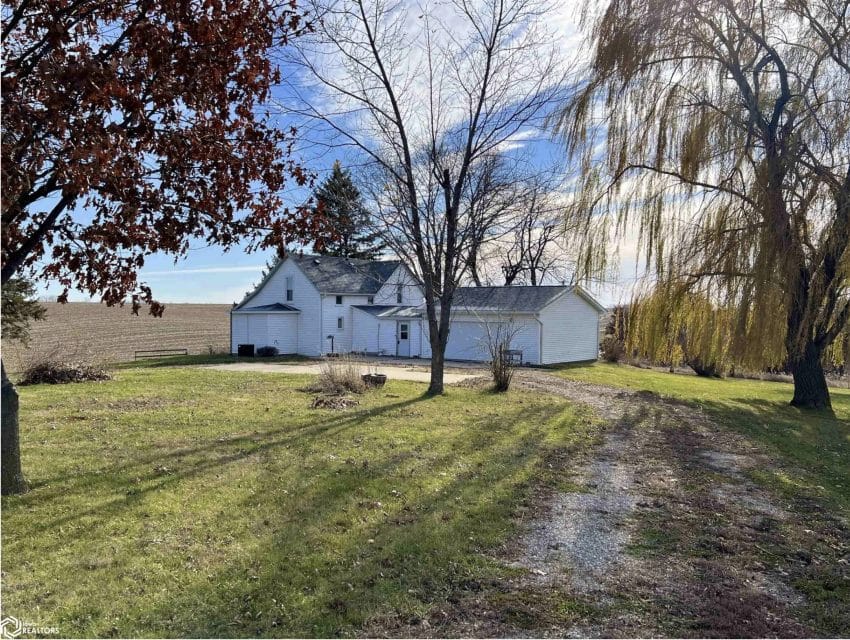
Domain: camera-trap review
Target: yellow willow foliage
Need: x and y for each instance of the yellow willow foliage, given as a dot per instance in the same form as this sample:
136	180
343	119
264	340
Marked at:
718	133
673	326
838	353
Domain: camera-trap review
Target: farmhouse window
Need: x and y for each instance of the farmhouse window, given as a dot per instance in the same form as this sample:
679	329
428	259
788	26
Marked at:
339	323
289	288
339	299
370	300
399	293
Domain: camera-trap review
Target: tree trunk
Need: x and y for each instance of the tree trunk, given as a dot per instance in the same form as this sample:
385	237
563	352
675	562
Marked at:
472	265
439	340
438	360
704	369
13	481
810	390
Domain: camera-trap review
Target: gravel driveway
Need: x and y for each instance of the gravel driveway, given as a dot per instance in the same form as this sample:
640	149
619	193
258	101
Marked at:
415	373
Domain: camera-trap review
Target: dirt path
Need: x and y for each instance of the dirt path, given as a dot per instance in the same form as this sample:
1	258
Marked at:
666	534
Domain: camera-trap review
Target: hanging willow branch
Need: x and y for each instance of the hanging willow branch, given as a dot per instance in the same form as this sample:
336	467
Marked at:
725	134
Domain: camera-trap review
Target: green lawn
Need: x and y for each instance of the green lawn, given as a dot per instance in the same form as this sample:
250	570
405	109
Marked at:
816	444
188	502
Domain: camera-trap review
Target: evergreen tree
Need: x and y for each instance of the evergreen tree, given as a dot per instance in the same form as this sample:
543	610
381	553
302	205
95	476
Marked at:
344	213
19	308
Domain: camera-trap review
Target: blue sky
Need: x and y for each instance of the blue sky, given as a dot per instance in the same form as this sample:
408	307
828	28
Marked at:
210	275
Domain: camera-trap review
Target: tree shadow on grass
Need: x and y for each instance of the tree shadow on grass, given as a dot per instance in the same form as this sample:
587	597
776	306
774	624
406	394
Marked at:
340	560
731	542
385	534
814	445
144	474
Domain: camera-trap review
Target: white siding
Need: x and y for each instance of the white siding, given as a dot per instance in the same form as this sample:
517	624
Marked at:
411	291
570	330
238	331
387	336
425	337
305	298
364	332
330	312
258	326
283	332
468	337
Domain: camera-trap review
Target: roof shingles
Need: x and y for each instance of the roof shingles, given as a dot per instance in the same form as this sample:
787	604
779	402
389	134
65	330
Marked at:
514	298
331	274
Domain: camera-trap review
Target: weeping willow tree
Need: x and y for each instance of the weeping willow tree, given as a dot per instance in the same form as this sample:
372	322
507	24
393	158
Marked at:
720	130
674	328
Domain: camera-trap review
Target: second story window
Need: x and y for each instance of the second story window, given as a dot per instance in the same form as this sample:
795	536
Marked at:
339	299
399	293
289	288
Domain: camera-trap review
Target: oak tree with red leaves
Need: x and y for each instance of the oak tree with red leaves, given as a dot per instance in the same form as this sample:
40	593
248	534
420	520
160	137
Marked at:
132	128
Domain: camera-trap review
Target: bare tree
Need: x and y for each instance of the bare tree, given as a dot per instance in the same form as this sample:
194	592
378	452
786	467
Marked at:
534	247
427	102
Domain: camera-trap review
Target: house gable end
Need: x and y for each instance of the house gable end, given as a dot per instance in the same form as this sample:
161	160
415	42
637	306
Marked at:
272	288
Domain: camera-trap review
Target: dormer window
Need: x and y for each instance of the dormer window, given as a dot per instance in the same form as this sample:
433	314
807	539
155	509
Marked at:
339	299
399	293
289	292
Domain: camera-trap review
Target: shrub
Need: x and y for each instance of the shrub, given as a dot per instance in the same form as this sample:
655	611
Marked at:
58	372
500	335
612	349
502	368
267	352
338	376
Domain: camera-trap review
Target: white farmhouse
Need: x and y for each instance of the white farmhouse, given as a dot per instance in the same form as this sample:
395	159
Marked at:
313	305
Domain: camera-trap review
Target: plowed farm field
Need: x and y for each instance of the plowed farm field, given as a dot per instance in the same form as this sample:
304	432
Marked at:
97	333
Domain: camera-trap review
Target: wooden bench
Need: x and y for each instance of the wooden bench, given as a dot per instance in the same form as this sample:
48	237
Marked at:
141	354
514	356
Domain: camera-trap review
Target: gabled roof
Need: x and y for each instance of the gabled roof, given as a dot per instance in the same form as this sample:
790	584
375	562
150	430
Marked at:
388	310
518	299
277	306
331	274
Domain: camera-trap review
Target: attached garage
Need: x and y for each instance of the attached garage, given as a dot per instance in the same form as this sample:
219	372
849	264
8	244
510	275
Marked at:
273	325
467	341
547	324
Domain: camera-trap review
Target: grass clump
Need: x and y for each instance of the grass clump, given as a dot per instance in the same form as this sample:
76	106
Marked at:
339	376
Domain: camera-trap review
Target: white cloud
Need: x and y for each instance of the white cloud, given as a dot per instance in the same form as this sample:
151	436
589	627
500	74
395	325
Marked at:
178	272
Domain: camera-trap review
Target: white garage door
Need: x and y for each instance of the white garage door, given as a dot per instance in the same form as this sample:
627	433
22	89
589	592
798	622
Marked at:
467	341
283	332
258	330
